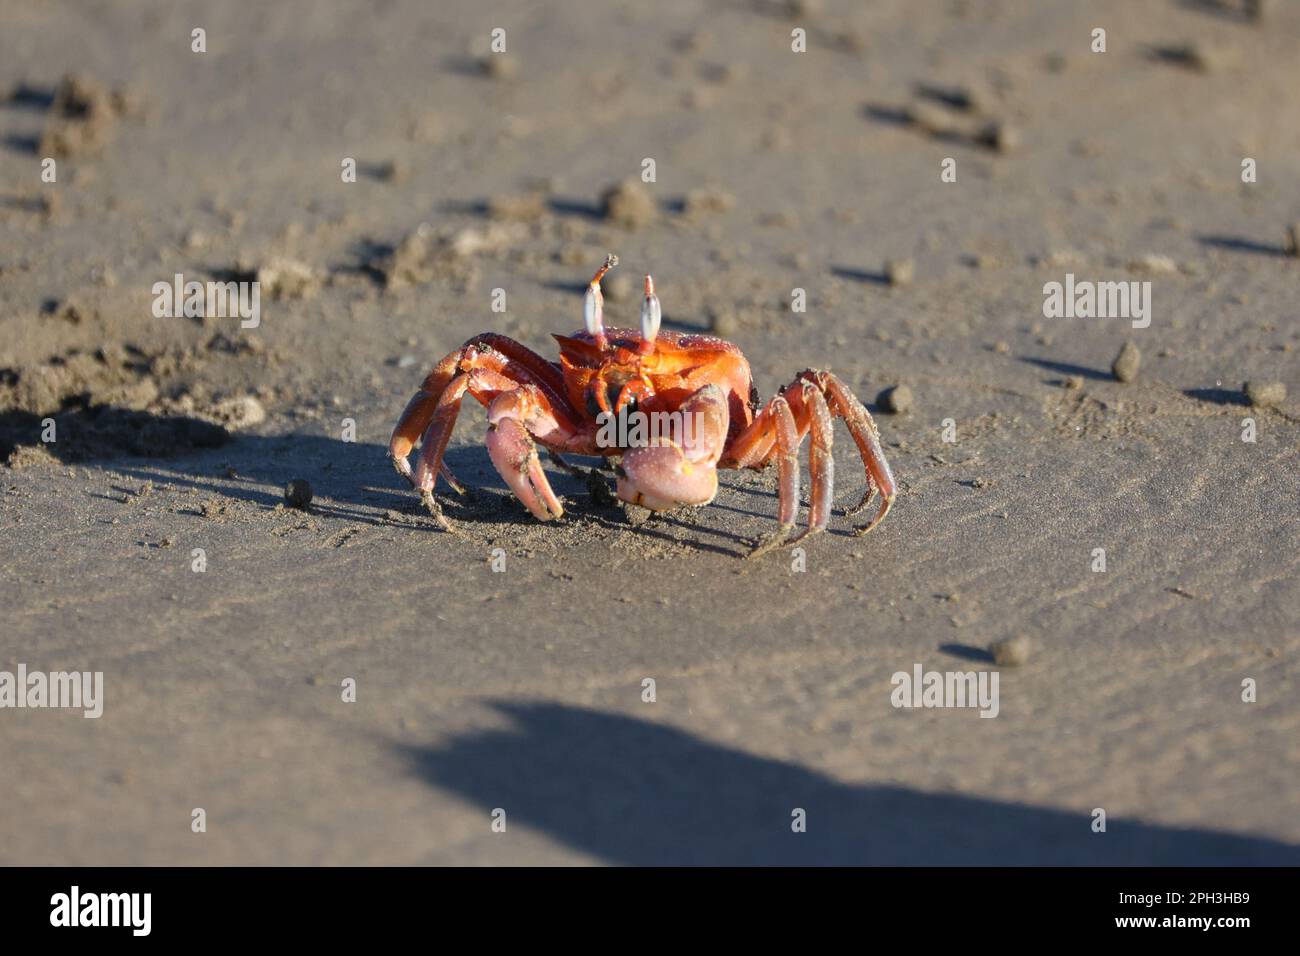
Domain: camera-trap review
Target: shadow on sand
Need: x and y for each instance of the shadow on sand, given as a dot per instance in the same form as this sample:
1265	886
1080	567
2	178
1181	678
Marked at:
634	792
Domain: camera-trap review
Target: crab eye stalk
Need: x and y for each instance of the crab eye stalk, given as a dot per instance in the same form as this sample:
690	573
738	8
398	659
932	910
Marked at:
593	303
592	309
651	316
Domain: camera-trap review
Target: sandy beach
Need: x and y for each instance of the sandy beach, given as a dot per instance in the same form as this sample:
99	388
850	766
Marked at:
345	683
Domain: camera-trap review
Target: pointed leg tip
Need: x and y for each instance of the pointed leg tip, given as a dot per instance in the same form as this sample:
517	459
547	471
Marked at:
768	542
805	533
402	467
884	510
427	499
861	506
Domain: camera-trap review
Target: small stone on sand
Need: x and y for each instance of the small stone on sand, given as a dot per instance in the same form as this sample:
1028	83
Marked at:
1202	57
1125	366
242	411
1265	394
900	272
619	288
700	202
297	493
1257	9
1154	265
896	399
722	323
1000	137
527	208
1011	652
499	66
391	171
930	119
636	515
628	204
288	279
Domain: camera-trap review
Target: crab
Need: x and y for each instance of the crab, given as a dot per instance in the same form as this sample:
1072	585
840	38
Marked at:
611	372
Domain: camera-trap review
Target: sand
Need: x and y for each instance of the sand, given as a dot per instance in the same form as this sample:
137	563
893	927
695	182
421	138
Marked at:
524	689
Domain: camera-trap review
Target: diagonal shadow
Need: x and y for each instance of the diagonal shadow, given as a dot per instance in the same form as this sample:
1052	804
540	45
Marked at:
859	275
634	792
28	145
968	652
1067	368
1239	244
27	97
1236	12
1219	396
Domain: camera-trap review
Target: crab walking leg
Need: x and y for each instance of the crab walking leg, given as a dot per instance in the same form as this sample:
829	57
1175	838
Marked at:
787	465
668	473
487	351
867	438
597	486
506	399
754	446
821	463
434	444
415	419
576	470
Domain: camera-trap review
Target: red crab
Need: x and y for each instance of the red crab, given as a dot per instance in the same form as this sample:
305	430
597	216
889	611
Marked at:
565	407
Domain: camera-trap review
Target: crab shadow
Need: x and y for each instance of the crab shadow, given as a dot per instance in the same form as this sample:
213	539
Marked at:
351	481
631	791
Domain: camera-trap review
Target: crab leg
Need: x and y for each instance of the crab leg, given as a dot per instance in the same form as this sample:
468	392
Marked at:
486	366
821	463
867	438
489	350
415	419
787	446
434	444
814	400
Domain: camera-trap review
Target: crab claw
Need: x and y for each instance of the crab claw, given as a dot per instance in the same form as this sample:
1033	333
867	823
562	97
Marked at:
515	457
679	468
